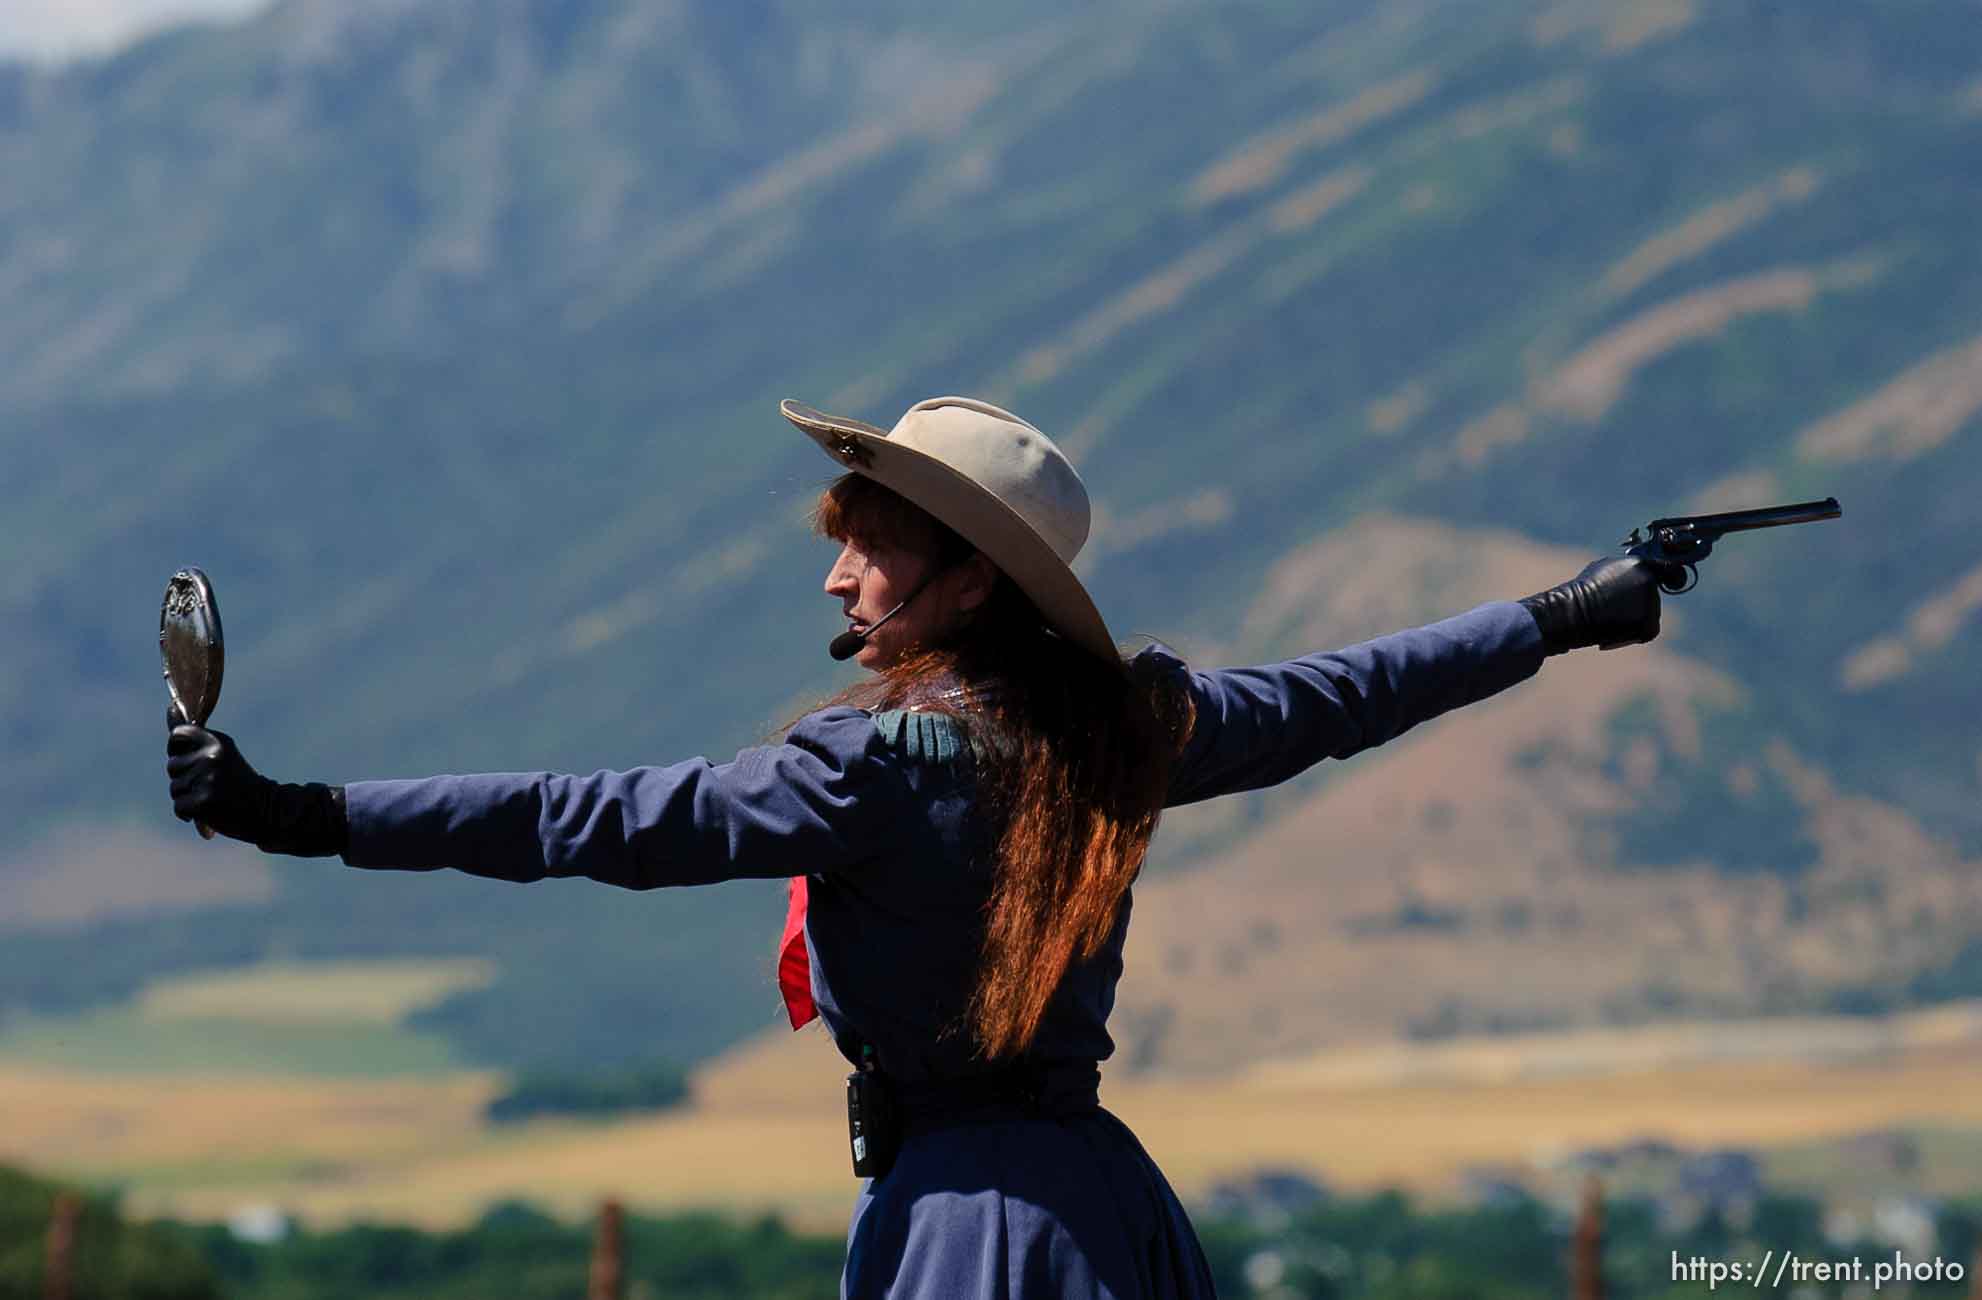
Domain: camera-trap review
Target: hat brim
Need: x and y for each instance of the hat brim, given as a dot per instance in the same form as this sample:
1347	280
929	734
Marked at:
974	512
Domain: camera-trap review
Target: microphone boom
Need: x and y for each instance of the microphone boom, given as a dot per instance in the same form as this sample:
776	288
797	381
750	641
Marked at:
848	643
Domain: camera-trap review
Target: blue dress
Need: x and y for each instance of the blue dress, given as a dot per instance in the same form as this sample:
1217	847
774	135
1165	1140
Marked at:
875	810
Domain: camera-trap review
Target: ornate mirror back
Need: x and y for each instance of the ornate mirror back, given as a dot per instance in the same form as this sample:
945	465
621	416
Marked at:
190	644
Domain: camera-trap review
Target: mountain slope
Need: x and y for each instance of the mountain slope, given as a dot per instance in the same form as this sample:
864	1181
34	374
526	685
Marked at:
446	338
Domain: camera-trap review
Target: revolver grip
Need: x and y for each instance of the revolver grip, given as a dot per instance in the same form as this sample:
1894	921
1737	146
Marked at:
1675	577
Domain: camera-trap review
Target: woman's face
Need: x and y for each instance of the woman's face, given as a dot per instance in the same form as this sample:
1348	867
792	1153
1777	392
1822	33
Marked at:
869	579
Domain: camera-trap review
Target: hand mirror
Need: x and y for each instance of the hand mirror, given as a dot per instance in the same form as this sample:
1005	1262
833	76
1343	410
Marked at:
194	654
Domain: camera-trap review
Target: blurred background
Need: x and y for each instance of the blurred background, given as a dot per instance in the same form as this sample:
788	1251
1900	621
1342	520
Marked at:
447	337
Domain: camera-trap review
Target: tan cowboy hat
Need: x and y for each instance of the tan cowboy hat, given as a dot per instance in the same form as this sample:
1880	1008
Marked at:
996	480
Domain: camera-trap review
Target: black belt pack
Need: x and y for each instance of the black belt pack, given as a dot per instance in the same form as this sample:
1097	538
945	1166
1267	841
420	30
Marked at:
873	1122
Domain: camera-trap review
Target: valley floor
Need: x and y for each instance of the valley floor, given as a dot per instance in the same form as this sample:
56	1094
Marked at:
765	1131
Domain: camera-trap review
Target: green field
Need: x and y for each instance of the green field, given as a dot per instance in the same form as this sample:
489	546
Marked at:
124	1040
329	1019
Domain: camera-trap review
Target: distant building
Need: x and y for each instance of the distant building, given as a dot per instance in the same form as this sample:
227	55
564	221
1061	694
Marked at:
1907	1223
1881	1151
1265	1270
259	1225
1266	1198
1646	1149
1726	1182
1588	1160
1729	1178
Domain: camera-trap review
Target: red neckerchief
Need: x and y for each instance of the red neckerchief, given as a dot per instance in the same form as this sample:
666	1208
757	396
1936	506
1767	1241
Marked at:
794	962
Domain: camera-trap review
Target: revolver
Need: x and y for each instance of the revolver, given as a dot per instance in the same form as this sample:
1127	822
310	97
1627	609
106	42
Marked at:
1670	545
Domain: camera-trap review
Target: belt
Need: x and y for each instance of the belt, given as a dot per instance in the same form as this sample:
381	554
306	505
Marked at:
1039	1090
882	1111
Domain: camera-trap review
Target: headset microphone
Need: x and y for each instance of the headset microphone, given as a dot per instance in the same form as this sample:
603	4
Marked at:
848	643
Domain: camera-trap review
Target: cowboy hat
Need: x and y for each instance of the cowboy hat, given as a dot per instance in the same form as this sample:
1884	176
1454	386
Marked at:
997	481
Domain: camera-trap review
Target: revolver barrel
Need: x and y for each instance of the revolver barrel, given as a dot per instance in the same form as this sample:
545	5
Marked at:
1676	546
1735	521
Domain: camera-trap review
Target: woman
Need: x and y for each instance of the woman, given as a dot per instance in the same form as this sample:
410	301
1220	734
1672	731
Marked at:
968	822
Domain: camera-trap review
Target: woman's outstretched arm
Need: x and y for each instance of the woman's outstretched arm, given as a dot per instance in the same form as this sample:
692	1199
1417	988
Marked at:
1259	726
1256	727
817	802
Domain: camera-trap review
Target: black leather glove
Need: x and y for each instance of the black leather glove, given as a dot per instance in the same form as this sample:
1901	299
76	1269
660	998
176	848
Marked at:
1612	602
212	783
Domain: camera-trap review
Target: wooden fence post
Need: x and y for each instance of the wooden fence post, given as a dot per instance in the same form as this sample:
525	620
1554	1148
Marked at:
59	1266
608	1256
1586	1263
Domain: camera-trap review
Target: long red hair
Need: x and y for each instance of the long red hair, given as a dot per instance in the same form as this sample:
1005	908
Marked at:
1075	780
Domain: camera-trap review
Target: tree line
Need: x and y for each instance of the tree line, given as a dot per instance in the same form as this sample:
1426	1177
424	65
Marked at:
1375	1247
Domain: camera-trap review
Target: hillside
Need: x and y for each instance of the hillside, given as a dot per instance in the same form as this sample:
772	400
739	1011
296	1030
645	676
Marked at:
447	337
1541	866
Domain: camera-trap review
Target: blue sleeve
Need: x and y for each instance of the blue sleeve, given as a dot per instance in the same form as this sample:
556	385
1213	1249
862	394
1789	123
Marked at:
823	799
1256	727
